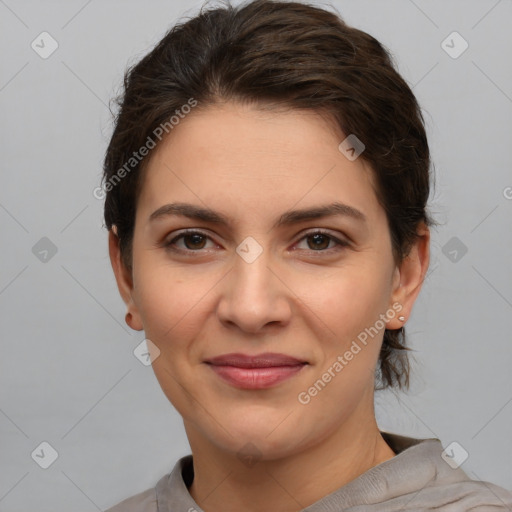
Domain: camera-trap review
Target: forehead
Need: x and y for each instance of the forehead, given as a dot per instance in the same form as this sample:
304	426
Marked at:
242	158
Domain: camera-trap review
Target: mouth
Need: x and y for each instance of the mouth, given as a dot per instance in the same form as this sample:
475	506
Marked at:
255	372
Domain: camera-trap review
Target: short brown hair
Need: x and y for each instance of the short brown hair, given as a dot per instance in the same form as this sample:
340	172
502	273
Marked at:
291	55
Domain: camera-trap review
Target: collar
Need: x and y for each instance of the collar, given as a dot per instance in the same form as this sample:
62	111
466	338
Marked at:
416	465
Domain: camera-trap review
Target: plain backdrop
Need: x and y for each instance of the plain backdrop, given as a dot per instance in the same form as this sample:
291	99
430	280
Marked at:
68	374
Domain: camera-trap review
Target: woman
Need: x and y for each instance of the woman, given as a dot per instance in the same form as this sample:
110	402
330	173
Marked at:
266	191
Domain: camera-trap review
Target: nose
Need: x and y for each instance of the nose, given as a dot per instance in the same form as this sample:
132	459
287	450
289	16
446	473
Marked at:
254	296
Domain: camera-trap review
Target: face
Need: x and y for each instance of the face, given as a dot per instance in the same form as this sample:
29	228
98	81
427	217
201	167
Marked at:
267	311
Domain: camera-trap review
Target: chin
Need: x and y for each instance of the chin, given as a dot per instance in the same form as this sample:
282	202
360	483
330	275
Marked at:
264	436
261	448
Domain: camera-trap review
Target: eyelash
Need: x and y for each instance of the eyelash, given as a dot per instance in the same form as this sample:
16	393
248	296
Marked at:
170	245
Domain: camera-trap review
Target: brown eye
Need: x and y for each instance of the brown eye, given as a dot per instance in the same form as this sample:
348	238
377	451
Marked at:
188	242
318	241
194	241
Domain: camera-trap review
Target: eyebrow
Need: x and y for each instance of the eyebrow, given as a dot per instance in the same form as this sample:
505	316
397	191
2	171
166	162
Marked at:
290	217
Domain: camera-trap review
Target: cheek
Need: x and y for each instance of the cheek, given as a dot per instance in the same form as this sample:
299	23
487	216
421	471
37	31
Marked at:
347	299
168	303
173	310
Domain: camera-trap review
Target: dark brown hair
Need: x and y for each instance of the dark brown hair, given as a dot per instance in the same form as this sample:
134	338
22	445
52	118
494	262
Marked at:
290	55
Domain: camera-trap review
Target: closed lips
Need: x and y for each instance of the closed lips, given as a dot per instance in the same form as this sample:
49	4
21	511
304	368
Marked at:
255	372
259	361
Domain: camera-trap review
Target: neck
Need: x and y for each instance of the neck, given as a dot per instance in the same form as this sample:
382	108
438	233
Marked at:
222	482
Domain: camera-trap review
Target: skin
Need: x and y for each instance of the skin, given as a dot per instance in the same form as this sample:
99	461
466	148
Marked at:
252	166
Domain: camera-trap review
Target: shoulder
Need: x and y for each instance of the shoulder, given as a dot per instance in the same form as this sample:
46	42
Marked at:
424	476
169	493
142	502
468	495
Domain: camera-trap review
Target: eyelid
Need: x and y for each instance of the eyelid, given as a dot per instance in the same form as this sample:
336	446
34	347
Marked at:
341	242
340	238
167	244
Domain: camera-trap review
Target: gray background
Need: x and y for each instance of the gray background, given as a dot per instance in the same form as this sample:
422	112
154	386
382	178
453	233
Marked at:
68	375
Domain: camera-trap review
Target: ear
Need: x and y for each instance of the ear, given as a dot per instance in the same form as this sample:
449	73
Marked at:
409	276
124	280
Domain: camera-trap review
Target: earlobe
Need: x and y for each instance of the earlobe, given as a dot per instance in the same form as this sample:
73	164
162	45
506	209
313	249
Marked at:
409	277
124	281
133	322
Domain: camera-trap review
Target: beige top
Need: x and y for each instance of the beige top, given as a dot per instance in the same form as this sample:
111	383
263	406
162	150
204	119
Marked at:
417	479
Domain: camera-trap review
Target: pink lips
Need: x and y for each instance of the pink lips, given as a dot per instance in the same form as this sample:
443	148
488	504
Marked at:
255	372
